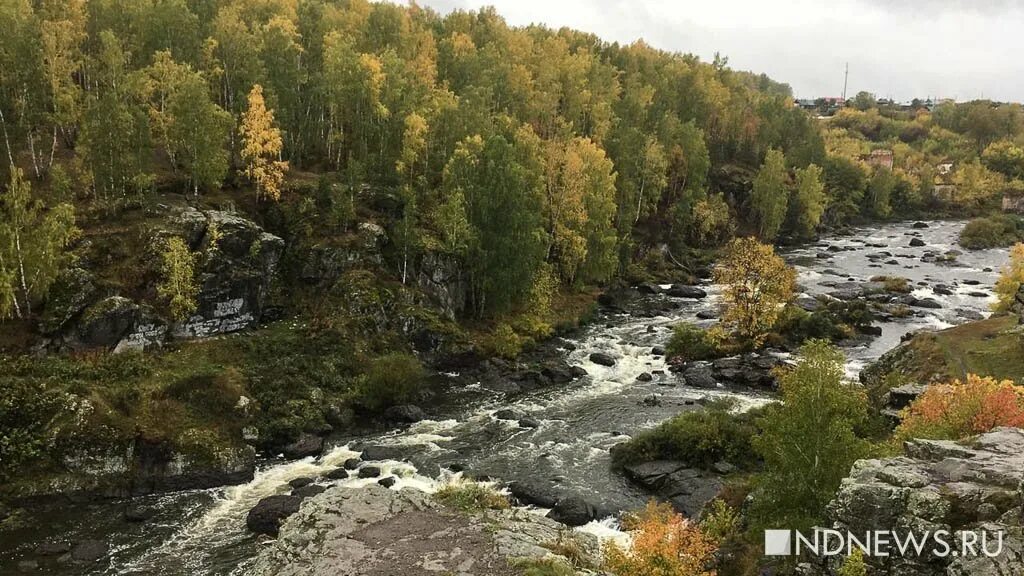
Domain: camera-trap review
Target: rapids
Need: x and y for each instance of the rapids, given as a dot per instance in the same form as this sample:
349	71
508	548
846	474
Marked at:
203	532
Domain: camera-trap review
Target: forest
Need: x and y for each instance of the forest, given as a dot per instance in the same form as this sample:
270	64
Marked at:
533	158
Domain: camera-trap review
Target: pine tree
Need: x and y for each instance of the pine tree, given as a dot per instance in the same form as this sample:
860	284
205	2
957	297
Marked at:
261	147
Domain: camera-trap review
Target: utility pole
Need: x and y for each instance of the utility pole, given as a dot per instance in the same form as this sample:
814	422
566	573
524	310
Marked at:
846	78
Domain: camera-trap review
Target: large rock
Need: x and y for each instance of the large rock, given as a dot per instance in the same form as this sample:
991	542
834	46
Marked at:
573	511
681	291
373	530
602	359
444	280
106	322
977	484
407	413
305	445
269	513
237	263
72	291
688	489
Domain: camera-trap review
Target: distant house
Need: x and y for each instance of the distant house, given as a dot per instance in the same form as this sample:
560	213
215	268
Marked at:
944	168
879	158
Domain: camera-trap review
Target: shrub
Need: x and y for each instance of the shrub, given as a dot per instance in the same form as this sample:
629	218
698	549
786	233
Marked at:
896	284
1010	279
544	567
664	543
504	342
471	497
960	409
26	409
699	438
720	521
854	564
992	232
690	342
391	379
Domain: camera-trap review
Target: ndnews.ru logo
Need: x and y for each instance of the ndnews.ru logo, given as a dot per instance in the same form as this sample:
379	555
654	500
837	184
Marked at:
881	543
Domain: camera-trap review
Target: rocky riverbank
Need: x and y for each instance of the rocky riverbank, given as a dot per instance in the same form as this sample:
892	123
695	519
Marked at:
974	485
376	531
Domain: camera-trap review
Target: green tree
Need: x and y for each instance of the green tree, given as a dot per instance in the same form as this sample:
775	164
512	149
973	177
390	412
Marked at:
1004	157
503	207
808	200
808	441
32	242
178	286
879	194
199	133
769	197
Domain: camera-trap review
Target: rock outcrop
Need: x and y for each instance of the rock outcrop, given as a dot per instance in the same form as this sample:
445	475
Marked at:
237	264
976	485
374	530
236	261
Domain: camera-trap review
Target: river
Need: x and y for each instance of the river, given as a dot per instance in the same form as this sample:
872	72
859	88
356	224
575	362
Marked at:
203	532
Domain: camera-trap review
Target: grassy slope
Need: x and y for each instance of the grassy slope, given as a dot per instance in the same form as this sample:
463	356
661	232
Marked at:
992	347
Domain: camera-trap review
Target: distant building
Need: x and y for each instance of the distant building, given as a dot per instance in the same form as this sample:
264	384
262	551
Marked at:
944	168
879	158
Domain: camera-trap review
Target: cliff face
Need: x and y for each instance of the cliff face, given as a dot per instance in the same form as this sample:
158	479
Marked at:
975	485
236	262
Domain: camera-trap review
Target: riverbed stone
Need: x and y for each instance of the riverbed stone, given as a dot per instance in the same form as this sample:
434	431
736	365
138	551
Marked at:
89	551
602	359
573	511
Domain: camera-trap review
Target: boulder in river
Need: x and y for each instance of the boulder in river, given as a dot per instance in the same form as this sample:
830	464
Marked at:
306	445
602	359
309	491
573	511
369	472
681	291
337	474
533	493
405	413
375	452
387	482
917	242
919	225
268	514
508	414
89	551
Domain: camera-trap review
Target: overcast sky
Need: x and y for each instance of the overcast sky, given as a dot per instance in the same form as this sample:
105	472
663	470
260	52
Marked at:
901	49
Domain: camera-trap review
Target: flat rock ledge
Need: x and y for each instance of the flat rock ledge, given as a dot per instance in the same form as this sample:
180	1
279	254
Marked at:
976	484
376	531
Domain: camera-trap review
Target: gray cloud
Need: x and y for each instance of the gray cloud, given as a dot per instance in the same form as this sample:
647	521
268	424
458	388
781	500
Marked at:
904	49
